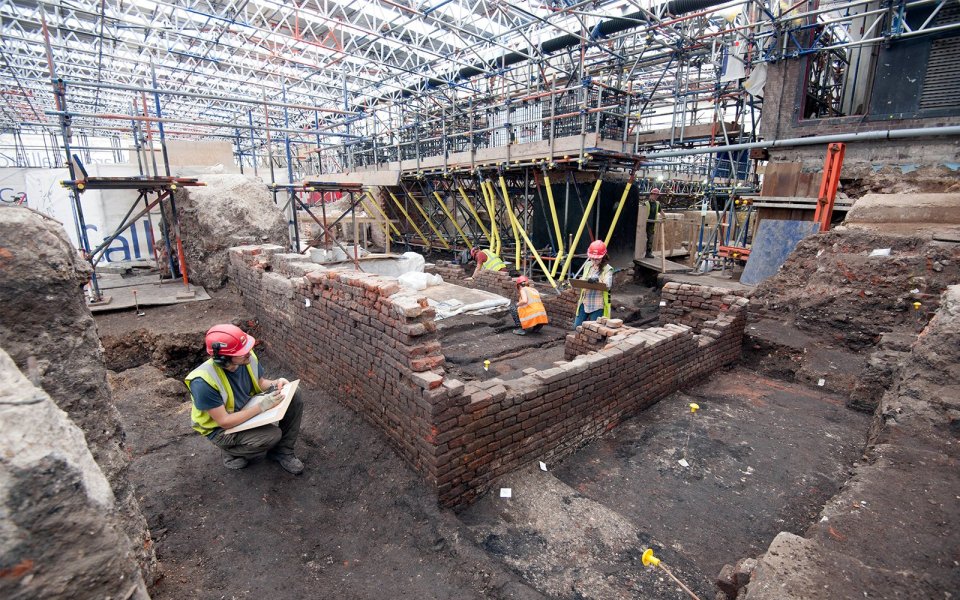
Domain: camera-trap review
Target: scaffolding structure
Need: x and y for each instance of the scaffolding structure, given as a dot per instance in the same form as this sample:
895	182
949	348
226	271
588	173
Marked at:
472	105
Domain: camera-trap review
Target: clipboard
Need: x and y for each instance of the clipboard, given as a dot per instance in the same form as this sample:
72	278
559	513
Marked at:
583	284
271	416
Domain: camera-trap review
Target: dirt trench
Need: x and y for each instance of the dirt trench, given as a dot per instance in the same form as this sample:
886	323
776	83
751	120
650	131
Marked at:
359	517
358	521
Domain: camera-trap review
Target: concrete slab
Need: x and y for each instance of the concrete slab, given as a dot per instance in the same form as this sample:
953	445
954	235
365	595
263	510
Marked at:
906	208
150	292
936	215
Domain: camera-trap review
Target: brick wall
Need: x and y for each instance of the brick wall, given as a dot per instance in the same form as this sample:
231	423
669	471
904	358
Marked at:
375	348
783	94
699	307
590	336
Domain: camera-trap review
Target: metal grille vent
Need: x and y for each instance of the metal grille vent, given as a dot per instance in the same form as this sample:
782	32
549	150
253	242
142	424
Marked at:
941	83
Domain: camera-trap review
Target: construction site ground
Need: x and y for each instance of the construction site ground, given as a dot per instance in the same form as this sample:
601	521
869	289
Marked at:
359	521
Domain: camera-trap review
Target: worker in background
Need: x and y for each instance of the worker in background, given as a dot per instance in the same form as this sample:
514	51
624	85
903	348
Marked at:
529	314
486	259
595	303
653	212
221	389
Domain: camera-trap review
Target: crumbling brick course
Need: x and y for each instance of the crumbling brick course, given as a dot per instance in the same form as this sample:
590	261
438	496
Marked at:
376	349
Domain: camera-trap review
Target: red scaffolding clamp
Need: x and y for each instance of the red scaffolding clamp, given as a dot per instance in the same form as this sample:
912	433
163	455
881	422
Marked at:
828	186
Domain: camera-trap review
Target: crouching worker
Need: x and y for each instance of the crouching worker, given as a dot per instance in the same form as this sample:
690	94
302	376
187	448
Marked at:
529	314
486	259
221	389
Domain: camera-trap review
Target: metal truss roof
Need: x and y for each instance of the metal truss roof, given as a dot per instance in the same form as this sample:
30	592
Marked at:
324	58
329	72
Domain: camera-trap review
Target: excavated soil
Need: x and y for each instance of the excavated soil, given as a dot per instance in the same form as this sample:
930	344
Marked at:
359	519
357	522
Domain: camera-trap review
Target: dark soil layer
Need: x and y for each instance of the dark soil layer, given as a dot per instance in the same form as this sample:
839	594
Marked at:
359	523
763	457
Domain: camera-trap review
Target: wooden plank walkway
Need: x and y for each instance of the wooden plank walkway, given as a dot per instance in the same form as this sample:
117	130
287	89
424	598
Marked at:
654	264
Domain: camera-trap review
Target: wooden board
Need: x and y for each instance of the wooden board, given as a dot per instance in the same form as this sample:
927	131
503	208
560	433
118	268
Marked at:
655	264
781	179
273	415
582	284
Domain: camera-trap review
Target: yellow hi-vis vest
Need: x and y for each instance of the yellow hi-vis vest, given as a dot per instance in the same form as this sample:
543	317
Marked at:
216	378
534	312
606	293
493	262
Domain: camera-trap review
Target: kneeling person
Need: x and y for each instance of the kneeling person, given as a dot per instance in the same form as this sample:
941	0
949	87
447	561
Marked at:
529	314
221	389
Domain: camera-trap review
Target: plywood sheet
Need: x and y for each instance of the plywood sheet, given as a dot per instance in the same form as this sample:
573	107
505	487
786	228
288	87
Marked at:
781	179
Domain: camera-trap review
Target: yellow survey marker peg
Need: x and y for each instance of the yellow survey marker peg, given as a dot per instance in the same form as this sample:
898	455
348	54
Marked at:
486	365
649	559
916	306
694	407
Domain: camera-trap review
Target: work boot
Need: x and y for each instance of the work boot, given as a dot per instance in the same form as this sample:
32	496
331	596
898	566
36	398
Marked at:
235	463
289	462
649	255
519	332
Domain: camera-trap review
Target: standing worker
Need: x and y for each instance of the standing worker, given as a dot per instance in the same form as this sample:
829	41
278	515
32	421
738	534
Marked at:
221	389
595	303
486	259
529	314
653	211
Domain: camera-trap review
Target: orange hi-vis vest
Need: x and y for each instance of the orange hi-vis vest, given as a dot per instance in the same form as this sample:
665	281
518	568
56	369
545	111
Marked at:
534	312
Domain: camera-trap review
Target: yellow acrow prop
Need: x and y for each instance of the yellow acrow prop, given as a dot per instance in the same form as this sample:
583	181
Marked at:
412	224
492	211
429	222
385	224
513	221
536	255
616	215
473	212
376	206
452	220
583	224
556	226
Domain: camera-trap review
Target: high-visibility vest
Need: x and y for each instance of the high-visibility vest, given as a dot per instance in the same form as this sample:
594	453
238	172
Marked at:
533	313
606	293
215	377
493	262
653	210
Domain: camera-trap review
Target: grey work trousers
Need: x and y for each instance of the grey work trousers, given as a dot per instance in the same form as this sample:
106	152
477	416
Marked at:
277	438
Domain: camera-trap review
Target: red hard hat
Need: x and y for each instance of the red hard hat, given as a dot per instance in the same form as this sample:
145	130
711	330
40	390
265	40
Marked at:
235	341
522	280
474	251
597	249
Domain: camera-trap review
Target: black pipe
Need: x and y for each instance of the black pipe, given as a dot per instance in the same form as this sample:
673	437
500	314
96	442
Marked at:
602	29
